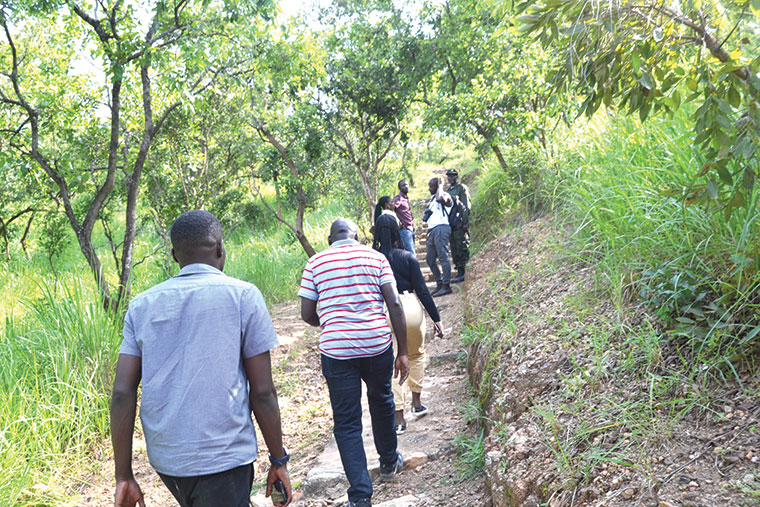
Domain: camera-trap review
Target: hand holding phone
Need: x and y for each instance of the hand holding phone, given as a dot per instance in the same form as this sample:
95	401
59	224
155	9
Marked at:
279	495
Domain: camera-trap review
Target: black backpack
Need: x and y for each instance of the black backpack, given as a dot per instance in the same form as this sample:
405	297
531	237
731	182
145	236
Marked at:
456	215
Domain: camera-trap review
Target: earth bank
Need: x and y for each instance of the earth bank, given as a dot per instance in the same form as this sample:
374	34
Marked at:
587	404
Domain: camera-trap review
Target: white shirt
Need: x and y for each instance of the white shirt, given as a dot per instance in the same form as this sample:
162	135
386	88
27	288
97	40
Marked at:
438	217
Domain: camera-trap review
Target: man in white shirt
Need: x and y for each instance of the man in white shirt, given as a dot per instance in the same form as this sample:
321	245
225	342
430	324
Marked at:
438	234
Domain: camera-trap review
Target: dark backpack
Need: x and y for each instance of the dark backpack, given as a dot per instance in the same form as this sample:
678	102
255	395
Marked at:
456	215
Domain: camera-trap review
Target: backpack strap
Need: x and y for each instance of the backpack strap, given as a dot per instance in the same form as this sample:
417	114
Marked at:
444	210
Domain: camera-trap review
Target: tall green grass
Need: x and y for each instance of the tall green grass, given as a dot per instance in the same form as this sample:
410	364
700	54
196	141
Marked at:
619	182
518	190
57	367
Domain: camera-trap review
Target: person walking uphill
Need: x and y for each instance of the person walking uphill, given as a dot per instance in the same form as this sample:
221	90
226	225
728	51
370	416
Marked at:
343	290
200	343
460	234
438	235
412	289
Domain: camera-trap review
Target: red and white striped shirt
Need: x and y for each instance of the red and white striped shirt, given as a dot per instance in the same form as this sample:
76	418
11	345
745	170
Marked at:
345	282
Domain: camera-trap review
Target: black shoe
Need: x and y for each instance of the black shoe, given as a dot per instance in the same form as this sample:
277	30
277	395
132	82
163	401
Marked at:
400	429
436	290
389	471
459	277
445	289
419	411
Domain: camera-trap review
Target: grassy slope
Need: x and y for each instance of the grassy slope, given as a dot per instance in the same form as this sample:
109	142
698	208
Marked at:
689	268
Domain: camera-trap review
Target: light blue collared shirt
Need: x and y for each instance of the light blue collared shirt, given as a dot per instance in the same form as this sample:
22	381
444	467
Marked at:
193	332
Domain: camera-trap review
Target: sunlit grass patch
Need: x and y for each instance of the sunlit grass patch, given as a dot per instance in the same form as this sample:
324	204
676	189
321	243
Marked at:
56	366
620	183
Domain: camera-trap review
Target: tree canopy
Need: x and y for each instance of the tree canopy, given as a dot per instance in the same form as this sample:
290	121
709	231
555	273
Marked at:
650	58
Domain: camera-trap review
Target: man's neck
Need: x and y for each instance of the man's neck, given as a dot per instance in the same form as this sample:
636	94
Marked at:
344	238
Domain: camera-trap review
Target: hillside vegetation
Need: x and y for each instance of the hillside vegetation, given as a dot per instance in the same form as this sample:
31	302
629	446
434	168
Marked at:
625	135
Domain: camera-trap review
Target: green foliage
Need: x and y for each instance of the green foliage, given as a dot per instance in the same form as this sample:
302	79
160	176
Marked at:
55	235
487	85
650	59
57	365
375	62
694	269
471	455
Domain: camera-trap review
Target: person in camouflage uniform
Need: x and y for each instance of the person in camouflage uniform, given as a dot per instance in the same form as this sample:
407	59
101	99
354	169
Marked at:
460	236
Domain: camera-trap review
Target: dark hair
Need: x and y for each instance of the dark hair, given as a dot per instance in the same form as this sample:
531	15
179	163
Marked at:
380	206
386	235
195	228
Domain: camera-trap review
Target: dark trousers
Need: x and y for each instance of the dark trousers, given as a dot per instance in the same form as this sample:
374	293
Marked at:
231	488
460	247
344	378
438	249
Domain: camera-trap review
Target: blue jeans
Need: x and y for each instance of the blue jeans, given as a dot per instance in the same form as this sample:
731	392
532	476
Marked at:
407	238
344	378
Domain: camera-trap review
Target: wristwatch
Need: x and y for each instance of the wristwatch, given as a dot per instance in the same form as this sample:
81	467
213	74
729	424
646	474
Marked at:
280	462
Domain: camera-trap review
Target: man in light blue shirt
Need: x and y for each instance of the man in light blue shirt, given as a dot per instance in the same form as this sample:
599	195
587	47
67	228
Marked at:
200	343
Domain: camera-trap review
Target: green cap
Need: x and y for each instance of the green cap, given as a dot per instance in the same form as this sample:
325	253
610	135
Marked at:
452	171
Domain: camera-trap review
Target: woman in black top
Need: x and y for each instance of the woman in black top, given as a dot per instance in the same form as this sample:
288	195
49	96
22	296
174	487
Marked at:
412	290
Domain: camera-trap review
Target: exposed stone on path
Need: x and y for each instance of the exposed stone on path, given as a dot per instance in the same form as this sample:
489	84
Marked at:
415	459
325	483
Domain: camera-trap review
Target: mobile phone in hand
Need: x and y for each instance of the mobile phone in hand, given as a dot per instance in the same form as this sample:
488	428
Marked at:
279	495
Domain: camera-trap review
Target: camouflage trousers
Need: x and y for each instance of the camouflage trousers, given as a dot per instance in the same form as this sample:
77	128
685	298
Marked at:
460	247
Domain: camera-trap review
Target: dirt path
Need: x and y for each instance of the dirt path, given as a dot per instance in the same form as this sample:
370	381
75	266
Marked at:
430	476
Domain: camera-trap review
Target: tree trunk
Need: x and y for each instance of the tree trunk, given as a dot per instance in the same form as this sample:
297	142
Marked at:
489	140
5	237
85	245
26	233
133	187
305	244
300	194
502	162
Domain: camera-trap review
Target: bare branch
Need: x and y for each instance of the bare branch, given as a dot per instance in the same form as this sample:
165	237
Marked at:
266	204
147	256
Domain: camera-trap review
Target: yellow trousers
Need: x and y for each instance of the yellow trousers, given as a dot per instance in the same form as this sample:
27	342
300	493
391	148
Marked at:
415	339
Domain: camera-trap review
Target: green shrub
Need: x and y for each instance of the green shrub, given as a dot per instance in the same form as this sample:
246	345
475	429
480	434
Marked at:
501	193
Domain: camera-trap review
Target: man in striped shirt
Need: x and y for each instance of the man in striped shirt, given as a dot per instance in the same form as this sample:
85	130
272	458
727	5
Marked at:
343	290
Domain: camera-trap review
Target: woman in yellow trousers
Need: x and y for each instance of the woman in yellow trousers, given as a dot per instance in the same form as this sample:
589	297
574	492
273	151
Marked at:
414	294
